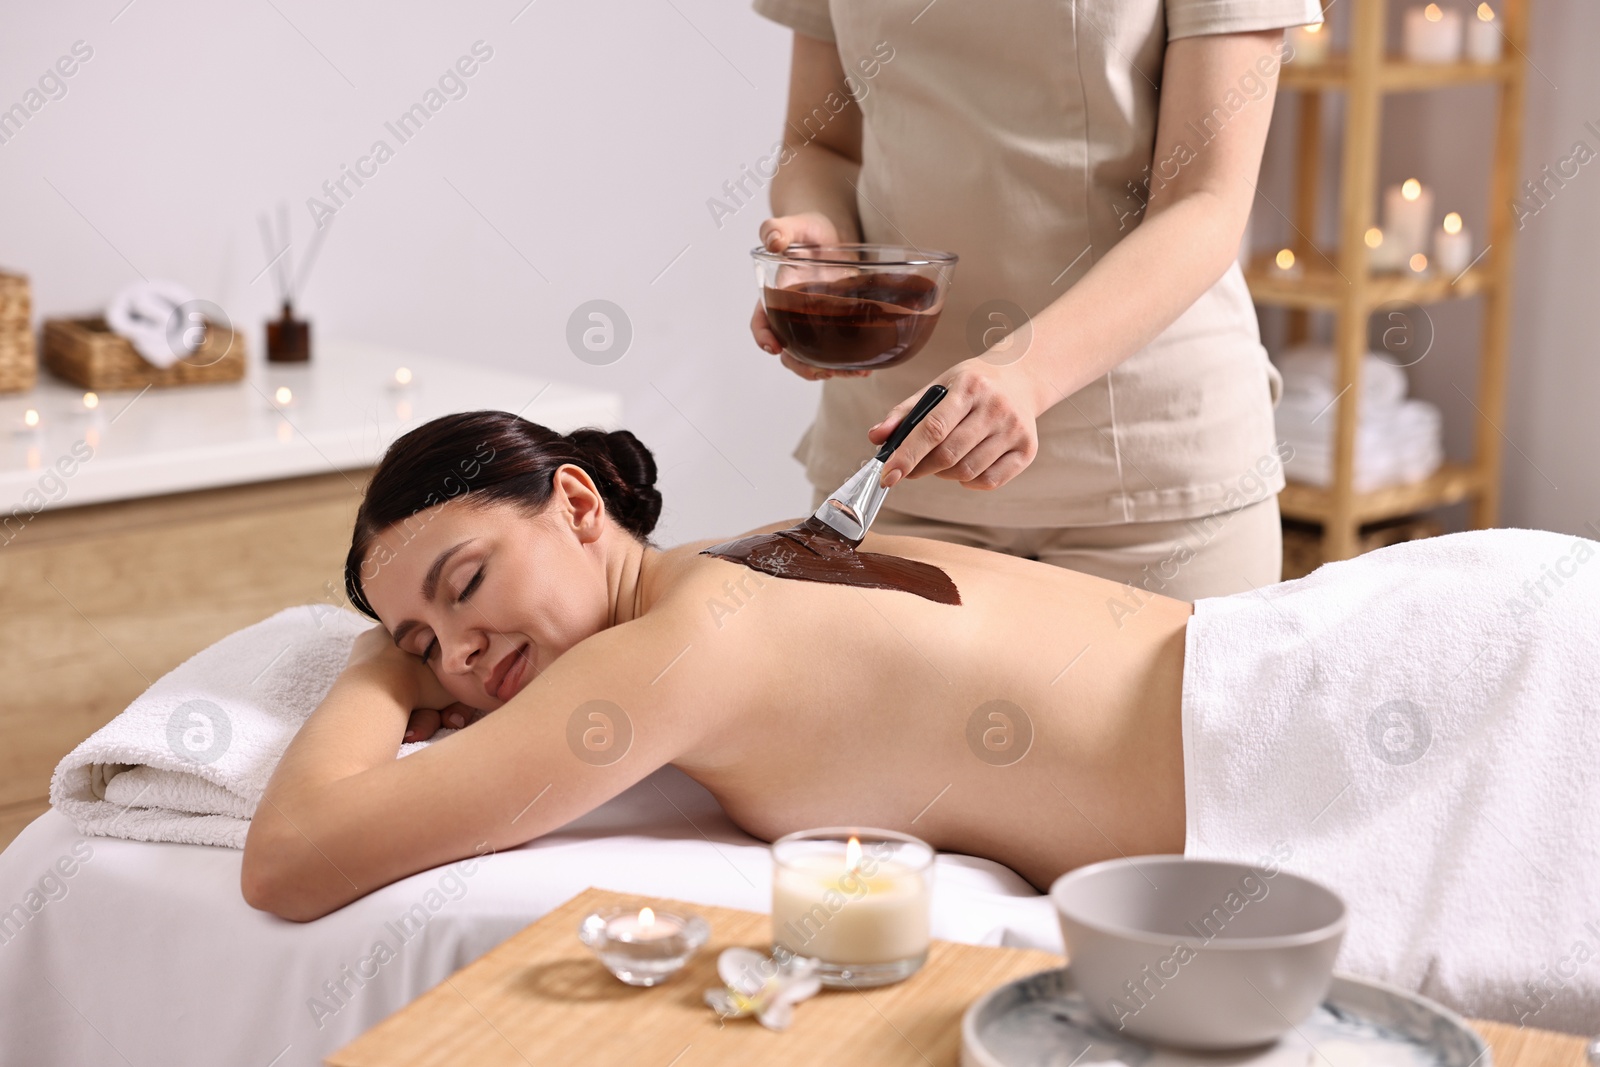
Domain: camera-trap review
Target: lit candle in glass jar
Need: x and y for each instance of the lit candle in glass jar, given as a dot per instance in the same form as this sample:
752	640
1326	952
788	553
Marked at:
857	900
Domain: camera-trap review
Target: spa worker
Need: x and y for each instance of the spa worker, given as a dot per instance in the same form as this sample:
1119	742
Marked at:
1093	163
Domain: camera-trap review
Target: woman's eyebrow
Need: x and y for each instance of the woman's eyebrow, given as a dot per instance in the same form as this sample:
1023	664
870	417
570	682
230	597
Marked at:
430	586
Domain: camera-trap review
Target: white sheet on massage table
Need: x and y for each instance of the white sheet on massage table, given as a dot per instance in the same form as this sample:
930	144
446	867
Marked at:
152	956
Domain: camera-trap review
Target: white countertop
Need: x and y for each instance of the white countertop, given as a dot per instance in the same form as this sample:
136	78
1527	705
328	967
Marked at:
342	414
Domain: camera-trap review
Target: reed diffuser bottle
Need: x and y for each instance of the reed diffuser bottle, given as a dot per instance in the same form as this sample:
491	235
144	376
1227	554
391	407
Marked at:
288	338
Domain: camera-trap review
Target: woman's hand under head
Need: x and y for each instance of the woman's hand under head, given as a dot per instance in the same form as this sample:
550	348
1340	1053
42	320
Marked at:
476	600
433	705
808	228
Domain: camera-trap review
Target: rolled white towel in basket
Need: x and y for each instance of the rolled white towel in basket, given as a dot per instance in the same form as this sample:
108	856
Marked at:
189	759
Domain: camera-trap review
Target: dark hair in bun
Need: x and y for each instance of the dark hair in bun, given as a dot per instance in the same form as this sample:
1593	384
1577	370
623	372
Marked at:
496	456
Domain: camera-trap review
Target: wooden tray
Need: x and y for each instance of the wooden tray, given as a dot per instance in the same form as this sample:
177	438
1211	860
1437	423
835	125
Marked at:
86	353
542	998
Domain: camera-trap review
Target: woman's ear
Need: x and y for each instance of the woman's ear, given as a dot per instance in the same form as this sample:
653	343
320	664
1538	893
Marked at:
580	503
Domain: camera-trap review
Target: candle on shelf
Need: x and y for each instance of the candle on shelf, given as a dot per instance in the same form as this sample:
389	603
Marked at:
1452	246
643	947
1384	254
283	396
1309	44
1418	264
1285	265
1432	34
1407	216
401	379
856	900
1483	36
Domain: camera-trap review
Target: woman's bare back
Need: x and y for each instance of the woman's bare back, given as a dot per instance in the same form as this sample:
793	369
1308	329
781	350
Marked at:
1030	724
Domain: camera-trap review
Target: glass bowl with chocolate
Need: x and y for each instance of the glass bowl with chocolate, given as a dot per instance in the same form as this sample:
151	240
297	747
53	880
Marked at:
853	306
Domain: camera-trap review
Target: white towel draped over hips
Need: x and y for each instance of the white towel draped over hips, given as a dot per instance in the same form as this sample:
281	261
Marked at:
1419	727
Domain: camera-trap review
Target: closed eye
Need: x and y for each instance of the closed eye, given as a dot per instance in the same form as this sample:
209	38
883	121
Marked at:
465	593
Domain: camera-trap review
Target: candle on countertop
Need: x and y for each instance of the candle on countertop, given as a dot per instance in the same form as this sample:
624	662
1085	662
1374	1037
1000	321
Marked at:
1407	216
401	379
1418	264
861	912
1483	36
1452	246
1309	44
1431	34
31	425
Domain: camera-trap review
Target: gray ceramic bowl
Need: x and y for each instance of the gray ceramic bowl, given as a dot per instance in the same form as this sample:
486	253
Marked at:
1198	953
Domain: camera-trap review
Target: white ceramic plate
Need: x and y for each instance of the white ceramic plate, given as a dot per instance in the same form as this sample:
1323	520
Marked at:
1043	1021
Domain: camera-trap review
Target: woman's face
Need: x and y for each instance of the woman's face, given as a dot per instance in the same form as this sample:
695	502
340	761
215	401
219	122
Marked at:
513	591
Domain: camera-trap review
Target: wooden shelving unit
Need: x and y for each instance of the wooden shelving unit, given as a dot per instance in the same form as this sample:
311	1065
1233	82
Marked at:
1340	281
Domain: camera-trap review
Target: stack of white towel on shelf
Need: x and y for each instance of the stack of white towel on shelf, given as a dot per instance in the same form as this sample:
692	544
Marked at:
1397	440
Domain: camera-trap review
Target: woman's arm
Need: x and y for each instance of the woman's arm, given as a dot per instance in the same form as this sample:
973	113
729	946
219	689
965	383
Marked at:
813	193
821	154
1200	199
342	816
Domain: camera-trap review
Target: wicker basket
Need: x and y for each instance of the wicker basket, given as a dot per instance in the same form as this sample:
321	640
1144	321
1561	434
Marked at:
1302	541
19	359
86	353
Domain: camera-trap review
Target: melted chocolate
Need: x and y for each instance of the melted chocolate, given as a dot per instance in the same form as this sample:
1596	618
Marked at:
866	320
815	552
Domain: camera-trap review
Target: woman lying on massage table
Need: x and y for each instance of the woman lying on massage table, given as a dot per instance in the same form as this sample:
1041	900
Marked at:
1349	724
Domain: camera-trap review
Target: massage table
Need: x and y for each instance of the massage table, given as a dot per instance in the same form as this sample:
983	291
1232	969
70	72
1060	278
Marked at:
146	953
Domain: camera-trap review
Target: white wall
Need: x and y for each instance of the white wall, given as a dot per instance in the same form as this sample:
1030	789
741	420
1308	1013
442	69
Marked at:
591	142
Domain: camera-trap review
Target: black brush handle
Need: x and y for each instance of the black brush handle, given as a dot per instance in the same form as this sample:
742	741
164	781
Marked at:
929	400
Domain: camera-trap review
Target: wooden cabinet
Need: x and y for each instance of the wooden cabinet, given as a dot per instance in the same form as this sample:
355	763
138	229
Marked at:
102	600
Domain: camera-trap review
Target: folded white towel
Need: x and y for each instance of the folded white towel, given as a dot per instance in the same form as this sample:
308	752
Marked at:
189	759
1394	445
1415	727
1309	372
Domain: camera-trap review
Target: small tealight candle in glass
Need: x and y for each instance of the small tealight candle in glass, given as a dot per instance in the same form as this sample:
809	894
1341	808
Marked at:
855	899
1483	36
643	946
1286	264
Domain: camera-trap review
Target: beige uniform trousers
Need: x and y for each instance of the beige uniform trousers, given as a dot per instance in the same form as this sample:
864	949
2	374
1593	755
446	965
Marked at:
1209	555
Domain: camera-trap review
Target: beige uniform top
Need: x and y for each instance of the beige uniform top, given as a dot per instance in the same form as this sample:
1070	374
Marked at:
1016	134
